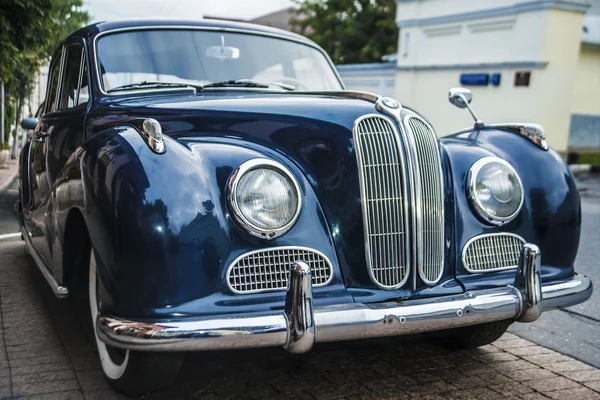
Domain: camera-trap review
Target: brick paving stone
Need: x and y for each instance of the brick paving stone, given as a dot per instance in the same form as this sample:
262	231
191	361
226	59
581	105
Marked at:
570	394
533	396
5	393
571	365
513	343
583	376
593	385
528	351
27	389
512	365
544	359
495	357
512	388
40	368
474	394
73	395
552	384
522	375
42	377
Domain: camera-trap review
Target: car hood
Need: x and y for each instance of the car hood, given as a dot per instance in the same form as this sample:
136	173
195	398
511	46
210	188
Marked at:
314	131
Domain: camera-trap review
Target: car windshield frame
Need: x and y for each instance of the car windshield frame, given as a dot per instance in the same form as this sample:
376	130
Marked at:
298	40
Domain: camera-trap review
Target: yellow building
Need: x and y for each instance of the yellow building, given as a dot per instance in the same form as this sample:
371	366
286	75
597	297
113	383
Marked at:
524	60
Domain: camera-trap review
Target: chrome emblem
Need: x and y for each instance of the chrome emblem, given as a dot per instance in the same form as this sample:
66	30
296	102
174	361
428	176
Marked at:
390	103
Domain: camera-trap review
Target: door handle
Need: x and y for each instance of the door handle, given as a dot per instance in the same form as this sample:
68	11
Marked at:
39	135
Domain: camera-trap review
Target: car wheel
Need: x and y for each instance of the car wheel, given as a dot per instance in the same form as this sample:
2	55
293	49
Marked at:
470	337
131	372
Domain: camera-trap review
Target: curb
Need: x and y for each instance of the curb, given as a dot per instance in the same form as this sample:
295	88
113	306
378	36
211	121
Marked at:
583	168
8	182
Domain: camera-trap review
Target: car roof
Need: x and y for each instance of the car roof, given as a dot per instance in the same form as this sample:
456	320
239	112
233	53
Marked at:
105	26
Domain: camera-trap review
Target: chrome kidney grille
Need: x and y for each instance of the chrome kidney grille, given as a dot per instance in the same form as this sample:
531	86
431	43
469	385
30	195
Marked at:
492	252
383	194
429	199
268	269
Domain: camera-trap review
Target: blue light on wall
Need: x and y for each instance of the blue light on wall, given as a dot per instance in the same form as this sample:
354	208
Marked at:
474	79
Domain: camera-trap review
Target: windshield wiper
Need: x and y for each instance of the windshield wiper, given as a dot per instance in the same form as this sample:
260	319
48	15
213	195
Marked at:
155	84
248	83
199	87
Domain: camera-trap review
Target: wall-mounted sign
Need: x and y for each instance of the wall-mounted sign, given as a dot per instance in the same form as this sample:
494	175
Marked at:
522	78
495	79
474	79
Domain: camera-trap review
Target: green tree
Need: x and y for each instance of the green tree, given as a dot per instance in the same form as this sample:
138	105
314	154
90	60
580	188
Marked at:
30	30
351	31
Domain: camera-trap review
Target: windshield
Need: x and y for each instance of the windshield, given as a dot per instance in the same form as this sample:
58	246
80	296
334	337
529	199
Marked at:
201	57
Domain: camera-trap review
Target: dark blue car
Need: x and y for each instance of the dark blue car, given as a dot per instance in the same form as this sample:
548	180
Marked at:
213	185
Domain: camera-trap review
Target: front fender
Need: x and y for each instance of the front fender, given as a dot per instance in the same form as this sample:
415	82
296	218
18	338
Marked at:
162	232
551	214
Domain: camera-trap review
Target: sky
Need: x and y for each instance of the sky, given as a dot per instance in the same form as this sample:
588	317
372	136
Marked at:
102	10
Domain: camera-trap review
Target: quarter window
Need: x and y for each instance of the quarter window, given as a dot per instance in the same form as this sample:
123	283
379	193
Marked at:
84	90
53	85
70	83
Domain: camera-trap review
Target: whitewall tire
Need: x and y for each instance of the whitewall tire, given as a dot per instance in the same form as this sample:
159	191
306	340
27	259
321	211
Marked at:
132	372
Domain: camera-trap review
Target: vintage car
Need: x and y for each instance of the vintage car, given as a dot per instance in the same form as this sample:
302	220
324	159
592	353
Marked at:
213	185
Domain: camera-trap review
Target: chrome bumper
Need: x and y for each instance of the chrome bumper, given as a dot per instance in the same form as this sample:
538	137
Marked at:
301	325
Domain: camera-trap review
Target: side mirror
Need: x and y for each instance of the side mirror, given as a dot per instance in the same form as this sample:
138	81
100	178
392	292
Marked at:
29	123
461	98
457	96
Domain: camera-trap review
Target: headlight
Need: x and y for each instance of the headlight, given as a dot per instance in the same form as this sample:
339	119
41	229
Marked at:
495	190
264	198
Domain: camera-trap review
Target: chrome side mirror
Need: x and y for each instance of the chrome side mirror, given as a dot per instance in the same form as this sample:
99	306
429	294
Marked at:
29	123
459	95
461	98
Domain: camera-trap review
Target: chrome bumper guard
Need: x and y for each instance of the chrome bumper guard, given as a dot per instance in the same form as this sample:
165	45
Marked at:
300	325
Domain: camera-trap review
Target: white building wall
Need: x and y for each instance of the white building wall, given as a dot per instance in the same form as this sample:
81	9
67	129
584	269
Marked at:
441	39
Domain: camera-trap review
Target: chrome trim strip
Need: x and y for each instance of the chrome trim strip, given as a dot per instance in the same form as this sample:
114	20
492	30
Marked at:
333	322
372	224
204	28
471	181
532	132
423	188
281	248
479	237
232	184
59	291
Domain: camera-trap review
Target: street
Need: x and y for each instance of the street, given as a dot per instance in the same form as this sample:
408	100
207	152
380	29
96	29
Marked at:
48	349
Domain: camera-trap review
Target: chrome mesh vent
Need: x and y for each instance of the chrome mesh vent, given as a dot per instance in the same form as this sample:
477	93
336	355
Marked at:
429	192
493	252
269	269
383	191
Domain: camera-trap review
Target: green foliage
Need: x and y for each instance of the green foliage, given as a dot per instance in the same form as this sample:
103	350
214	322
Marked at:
351	31
9	119
30	30
4	146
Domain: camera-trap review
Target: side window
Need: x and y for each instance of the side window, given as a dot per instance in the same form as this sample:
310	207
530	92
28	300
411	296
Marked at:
84	90
53	86
70	82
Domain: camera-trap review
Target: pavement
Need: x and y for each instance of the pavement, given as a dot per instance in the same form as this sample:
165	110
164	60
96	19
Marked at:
47	348
47	352
576	330
8	174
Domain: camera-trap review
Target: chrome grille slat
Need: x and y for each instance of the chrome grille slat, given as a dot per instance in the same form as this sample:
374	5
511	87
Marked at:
430	202
268	269
383	196
492	252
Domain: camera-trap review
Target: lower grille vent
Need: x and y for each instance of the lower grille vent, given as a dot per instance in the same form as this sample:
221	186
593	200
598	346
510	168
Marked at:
493	252
269	269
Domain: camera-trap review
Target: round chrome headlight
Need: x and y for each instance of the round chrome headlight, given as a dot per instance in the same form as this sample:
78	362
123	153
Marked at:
264	198
495	190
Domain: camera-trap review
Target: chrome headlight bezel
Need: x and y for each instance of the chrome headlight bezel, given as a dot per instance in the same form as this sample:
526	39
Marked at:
472	194
240	218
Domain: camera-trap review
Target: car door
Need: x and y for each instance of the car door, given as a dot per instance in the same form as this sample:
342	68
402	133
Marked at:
63	128
37	210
